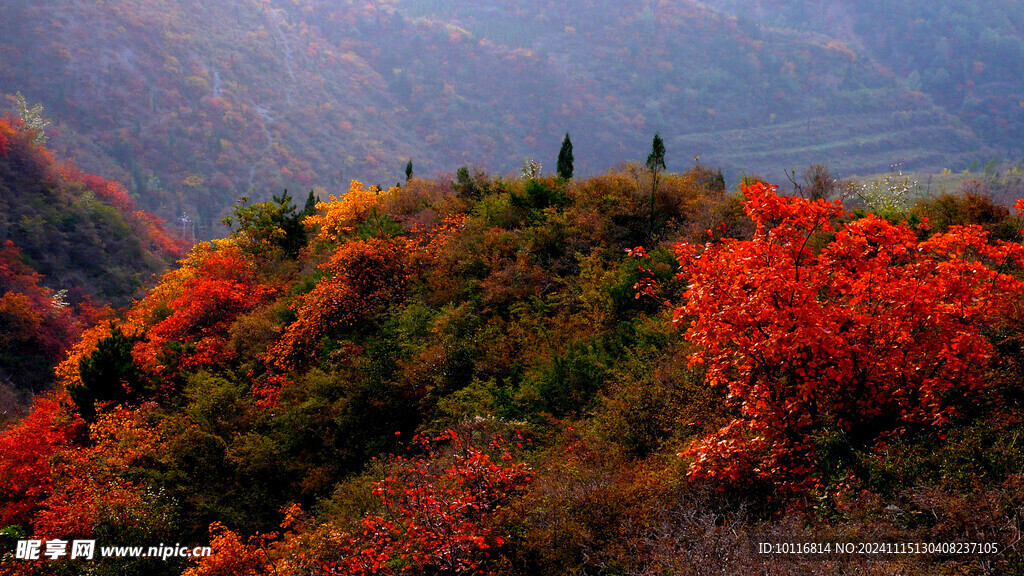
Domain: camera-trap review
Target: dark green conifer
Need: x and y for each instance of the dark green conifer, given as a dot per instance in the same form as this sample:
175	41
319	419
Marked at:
108	374
311	201
565	159
656	165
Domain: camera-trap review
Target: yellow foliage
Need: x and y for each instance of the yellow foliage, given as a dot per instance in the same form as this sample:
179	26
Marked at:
340	216
123	437
67	370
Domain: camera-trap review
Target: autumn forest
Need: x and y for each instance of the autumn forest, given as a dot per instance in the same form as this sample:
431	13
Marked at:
580	351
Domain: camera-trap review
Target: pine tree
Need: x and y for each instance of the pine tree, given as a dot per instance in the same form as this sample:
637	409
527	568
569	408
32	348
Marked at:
408	171
290	221
311	201
656	159
565	159
109	374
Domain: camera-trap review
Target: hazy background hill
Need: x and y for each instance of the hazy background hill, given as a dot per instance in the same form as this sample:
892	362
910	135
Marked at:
190	104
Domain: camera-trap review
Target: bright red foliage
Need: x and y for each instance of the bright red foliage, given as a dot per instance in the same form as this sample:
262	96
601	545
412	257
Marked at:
221	286
816	324
25	453
437	520
54	482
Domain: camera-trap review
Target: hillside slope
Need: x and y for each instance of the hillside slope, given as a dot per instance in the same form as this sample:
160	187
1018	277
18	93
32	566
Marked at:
461	378
71	244
967	57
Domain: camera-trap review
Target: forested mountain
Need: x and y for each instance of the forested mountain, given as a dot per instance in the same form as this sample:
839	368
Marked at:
968	57
192	103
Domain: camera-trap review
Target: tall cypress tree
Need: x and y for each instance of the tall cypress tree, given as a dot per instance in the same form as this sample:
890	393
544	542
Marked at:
656	165
408	171
565	159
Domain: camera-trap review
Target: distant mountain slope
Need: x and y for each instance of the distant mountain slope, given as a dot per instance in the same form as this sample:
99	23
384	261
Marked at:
83	233
192	103
966	56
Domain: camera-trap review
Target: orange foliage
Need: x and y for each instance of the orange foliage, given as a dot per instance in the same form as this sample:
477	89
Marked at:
363	276
62	488
340	216
67	370
111	192
426	245
441	518
9	128
89	481
233	557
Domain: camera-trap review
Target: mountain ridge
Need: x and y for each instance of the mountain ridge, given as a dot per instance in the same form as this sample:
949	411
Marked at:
190	105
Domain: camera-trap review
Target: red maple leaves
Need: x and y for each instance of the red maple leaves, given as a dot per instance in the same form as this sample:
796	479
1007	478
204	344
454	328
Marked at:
25	453
816	323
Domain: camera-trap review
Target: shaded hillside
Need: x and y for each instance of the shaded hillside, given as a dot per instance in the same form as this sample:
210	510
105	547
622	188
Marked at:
191	104
70	244
81	232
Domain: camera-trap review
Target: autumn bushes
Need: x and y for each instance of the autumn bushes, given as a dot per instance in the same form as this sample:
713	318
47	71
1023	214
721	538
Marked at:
440	507
821	325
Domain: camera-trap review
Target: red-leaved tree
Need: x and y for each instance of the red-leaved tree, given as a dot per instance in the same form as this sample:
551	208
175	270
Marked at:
26	450
822	323
221	285
437	519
